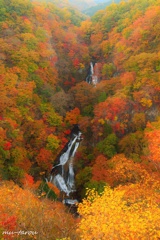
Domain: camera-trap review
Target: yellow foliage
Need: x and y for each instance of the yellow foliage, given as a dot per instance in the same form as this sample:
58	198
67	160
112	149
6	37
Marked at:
101	120
100	134
146	102
115	215
81	65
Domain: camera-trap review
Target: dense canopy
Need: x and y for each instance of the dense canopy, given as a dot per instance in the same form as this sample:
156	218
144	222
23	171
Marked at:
45	54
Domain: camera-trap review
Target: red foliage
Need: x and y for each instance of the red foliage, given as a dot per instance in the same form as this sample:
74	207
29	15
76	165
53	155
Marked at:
76	62
7	146
110	108
99	170
44	159
24	18
28	180
73	80
64	140
116	127
53	60
67	132
9	224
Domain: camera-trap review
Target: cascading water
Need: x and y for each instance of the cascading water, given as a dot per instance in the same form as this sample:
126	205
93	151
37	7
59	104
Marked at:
62	174
91	67
70	180
92	77
90	73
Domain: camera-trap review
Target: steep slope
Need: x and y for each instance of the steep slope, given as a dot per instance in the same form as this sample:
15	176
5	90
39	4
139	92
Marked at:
100	6
124	43
75	15
43	60
39	53
82	4
45	52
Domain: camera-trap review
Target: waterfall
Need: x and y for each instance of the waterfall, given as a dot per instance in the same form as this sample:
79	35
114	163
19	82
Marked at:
91	68
90	73
92	77
62	174
70	180
65	156
59	182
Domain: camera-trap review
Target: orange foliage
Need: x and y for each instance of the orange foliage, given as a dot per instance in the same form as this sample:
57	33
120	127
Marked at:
45	158
99	169
118	170
25	165
127	78
73	116
28	181
153	137
23	211
84	123
54	188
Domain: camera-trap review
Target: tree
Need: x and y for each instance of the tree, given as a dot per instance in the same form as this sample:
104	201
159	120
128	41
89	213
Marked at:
113	111
64	103
82	94
45	159
117	170
108	70
138	121
108	145
16	214
99	169
133	144
112	215
73	116
82	178
152	135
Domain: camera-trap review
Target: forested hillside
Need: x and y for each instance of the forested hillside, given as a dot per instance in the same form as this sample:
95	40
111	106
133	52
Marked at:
100	6
45	54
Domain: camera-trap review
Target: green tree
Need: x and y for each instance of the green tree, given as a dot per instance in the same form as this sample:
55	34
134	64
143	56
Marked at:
108	146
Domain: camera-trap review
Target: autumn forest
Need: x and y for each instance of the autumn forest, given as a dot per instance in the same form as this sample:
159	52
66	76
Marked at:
45	53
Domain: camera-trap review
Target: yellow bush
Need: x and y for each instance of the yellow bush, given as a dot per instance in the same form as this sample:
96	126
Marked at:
119	215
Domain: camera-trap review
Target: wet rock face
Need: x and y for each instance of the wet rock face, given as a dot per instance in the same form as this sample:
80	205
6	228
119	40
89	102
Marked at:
94	75
62	173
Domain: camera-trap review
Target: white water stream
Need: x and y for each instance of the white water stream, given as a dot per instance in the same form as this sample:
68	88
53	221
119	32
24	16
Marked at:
64	179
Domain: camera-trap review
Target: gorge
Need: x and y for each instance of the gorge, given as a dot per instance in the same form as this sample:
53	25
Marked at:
100	76
62	173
